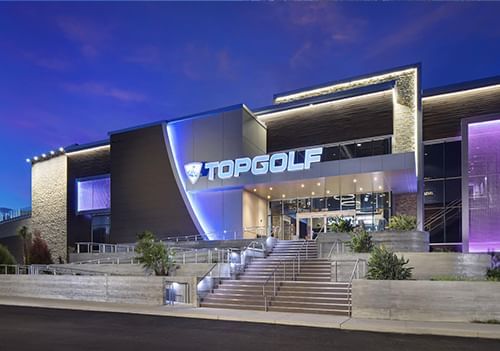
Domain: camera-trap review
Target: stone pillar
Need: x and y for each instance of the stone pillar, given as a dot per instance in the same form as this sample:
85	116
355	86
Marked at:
49	203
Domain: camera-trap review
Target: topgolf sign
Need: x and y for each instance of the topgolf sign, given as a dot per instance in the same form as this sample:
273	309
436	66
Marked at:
259	165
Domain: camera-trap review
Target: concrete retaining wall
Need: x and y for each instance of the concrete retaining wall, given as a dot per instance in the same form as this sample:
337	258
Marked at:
426	265
463	301
414	241
139	290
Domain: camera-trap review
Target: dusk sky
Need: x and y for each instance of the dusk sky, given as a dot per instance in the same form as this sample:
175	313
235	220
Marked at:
71	72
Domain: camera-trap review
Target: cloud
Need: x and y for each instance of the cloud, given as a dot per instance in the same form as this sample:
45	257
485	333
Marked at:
54	64
413	30
322	19
90	37
301	56
105	90
200	62
146	55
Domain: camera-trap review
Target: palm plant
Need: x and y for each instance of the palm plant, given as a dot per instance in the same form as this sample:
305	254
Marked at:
403	223
154	255
361	241
25	236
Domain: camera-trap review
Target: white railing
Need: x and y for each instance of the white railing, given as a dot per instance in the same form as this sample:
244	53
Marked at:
36	269
355	274
91	247
338	248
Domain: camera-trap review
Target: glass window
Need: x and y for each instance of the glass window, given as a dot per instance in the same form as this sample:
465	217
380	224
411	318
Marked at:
93	194
381	147
347	151
433	193
318	204
304	205
453	191
348	202
453	219
289	207
275	207
364	149
383	200
365	202
100	229
453	159
333	203
434	224
434	161
331	153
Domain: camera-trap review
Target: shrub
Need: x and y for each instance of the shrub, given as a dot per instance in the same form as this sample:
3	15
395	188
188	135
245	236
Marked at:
493	274
342	225
361	241
39	250
153	254
5	256
403	223
385	265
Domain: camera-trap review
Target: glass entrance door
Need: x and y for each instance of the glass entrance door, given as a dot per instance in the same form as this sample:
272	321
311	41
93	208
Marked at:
313	223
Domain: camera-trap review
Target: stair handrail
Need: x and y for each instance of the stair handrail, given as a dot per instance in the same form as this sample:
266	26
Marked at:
355	272
273	273
205	276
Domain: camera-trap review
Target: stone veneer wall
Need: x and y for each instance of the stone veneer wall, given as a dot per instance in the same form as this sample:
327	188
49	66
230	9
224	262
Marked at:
405	204
49	203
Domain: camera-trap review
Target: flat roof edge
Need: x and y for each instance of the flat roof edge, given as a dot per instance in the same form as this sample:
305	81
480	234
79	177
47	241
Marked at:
466	85
79	147
348	79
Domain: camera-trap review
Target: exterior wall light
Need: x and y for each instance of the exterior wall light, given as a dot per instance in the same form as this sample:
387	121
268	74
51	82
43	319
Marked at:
52	152
61	149
28	160
35	158
44	155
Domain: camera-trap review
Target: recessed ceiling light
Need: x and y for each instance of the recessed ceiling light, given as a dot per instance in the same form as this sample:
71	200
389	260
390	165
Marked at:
270	188
283	195
358	144
44	155
61	149
28	160
268	196
380	187
360	189
301	185
375	178
254	190
354	180
35	158
312	193
318	183
328	191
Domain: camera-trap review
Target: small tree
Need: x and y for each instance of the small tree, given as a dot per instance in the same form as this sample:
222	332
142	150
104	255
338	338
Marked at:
402	223
342	225
25	236
5	256
153	254
385	265
39	251
361	241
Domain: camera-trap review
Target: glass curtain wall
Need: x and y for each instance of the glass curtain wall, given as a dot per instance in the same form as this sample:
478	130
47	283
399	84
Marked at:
442	192
365	209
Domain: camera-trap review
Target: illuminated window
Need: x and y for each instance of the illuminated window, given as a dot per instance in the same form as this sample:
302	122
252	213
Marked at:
93	194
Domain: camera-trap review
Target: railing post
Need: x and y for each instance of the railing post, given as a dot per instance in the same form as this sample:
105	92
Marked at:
196	256
274	284
183	258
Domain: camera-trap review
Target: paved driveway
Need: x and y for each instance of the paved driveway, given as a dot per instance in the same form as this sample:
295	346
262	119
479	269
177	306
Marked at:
26	328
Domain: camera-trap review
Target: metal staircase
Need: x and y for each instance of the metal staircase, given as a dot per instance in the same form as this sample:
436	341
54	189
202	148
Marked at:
290	279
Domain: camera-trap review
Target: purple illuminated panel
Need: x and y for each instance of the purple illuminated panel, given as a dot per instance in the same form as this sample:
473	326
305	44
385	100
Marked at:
484	186
93	194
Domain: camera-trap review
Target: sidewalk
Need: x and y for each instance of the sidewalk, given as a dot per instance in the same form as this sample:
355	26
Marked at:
296	319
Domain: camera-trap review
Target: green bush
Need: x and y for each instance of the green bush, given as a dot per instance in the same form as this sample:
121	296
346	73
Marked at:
402	223
342	225
5	256
493	274
385	265
361	241
153	254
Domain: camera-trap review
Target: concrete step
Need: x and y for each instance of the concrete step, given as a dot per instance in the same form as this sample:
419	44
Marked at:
245	306
341	312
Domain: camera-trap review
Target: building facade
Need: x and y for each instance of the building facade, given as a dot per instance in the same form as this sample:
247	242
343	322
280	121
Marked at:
366	148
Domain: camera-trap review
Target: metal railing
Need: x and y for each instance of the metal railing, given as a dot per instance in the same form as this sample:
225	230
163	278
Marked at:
7	215
359	268
282	264
339	247
91	247
355	274
208	282
36	269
